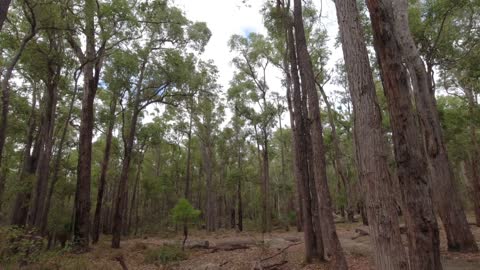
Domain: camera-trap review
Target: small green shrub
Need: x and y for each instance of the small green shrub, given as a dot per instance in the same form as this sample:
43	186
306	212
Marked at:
165	254
19	246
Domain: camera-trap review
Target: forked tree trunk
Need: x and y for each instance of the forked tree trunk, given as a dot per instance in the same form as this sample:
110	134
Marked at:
121	202
47	123
58	157
422	227
104	169
301	164
370	145
459	236
319	166
81	226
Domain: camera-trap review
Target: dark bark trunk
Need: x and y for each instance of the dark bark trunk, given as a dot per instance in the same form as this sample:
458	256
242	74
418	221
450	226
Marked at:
6	85
122	193
4	5
91	74
423	235
459	236
329	233
189	157
22	199
337	157
47	123
301	165
58	158
370	146
135	195
239	187
104	169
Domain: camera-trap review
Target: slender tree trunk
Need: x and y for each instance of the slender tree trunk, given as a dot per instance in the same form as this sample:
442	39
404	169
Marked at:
135	196
370	146
104	169
323	194
6	88
266	182
189	156
122	193
37	211
337	157
58	157
239	187
22	199
422	228
459	236
301	165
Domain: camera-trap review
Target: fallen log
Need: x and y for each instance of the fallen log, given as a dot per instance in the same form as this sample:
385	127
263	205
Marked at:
360	233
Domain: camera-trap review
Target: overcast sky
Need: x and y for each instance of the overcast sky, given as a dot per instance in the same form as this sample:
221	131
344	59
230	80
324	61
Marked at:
228	17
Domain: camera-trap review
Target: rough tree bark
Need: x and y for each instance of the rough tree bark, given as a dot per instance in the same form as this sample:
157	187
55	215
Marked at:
91	73
4	5
307	76
47	124
337	157
459	236
104	169
422	227
301	165
122	193
22	198
58	157
5	83
370	146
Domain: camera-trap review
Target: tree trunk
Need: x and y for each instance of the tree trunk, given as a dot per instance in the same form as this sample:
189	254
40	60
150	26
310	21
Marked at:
337	157
5	84
22	199
121	199
319	167
423	235
301	164
81	226
58	158
104	169
370	146
459	236
135	196
47	123
4	5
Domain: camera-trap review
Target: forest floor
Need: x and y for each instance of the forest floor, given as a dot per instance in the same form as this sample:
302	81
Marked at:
249	251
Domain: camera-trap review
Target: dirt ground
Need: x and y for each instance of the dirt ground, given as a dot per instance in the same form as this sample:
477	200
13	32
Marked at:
260	247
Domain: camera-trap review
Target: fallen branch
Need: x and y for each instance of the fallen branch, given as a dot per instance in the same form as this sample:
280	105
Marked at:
280	252
274	265
229	247
121	260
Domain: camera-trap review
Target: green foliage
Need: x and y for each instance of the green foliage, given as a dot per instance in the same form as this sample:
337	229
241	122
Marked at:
19	246
184	213
165	254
